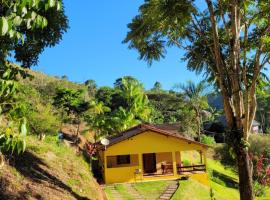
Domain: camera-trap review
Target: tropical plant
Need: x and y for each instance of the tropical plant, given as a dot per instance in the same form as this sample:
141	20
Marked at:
208	140
13	127
228	40
196	97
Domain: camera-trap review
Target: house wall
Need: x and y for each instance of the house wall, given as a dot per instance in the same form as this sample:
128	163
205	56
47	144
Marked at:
147	142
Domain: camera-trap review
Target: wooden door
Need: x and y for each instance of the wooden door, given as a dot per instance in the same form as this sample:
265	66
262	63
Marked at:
149	163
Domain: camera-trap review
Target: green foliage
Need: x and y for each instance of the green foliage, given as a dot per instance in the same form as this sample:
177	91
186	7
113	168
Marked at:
91	87
208	140
263	109
28	26
13	125
12	137
70	101
119	108
259	190
260	145
223	154
157	87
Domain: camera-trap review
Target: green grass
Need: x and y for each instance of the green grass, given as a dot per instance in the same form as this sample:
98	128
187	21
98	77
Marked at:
224	181
191	190
217	166
223	190
151	190
223	185
122	189
62	160
109	193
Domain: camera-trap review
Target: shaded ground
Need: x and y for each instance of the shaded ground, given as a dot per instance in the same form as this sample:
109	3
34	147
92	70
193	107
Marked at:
48	171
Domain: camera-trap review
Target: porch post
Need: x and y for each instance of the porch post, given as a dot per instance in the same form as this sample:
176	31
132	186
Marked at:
174	164
140	165
204	156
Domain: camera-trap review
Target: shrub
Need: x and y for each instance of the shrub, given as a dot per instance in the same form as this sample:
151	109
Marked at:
208	140
43	121
259	189
222	153
186	163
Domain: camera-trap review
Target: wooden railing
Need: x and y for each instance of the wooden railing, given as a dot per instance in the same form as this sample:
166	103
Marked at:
192	168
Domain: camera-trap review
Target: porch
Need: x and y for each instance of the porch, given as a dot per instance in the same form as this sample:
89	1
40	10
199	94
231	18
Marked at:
154	166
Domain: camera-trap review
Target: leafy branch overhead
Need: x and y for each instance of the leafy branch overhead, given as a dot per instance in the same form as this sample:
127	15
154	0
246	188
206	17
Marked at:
30	25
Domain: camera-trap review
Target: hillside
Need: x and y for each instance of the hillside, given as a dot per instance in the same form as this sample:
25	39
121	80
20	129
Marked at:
48	171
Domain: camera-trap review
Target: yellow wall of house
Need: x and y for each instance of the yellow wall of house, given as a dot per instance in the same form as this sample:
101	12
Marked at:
147	142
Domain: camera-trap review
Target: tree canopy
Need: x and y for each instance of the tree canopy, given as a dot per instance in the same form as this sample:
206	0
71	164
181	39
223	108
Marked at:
226	40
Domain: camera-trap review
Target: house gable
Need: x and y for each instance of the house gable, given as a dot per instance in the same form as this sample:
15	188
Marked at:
150	141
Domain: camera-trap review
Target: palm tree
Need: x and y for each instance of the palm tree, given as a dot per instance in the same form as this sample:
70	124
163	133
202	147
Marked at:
196	99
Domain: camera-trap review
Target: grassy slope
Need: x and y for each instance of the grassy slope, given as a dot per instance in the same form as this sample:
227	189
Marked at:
228	192
48	171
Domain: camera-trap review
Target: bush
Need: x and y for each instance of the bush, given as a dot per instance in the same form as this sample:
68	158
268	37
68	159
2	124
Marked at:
43	121
222	153
260	145
208	140
259	189
186	163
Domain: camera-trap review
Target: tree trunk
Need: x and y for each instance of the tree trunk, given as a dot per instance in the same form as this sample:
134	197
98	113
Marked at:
78	130
245	174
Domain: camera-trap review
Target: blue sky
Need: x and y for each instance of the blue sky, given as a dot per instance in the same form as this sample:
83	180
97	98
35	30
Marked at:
92	48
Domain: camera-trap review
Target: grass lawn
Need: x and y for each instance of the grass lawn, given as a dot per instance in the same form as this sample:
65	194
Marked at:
151	190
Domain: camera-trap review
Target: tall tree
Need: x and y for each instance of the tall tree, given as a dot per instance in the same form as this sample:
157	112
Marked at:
196	99
229	40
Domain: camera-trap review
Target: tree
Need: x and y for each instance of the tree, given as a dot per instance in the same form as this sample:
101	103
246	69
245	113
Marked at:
119	108
228	40
157	87
196	99
26	28
91	87
71	102
105	95
135	104
171	107
263	111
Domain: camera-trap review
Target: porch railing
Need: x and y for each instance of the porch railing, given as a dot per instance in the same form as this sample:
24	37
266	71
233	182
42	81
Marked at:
192	168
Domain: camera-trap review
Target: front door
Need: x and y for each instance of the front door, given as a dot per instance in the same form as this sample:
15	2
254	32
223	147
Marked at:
149	163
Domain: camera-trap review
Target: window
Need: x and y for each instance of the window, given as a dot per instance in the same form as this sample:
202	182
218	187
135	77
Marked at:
124	159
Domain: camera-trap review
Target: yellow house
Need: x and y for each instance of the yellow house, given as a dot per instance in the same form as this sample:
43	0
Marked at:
145	153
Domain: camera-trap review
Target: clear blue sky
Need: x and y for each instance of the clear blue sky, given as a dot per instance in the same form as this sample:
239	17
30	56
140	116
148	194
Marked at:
92	48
